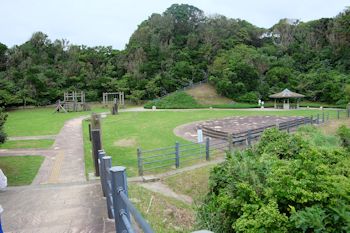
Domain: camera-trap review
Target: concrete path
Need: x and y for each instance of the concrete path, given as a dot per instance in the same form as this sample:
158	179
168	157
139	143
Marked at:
59	199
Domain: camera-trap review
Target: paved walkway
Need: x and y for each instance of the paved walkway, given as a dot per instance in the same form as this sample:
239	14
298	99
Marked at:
59	199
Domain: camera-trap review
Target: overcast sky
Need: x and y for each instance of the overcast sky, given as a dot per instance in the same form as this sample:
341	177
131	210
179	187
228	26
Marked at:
111	22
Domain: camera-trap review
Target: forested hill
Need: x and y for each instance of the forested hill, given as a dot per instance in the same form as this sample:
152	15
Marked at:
183	45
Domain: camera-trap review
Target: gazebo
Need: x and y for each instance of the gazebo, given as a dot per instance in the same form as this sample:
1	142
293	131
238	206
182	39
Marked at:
286	95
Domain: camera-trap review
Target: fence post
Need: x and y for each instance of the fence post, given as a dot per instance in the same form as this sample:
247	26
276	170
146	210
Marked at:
207	155
288	126
305	120
318	118
101	154
338	114
139	161
119	184
177	156
96	140
312	119
107	162
249	137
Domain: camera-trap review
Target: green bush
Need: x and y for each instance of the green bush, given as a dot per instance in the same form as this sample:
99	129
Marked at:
176	100
3	117
344	133
284	184
249	97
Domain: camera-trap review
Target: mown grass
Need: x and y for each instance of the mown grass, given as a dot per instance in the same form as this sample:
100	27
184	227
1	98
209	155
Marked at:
39	121
163	213
151	130
42	143
20	170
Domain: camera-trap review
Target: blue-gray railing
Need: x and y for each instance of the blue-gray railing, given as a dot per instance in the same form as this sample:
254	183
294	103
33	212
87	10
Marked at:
216	142
115	189
177	154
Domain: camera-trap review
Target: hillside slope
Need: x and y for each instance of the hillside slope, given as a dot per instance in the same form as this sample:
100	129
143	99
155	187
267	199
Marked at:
206	94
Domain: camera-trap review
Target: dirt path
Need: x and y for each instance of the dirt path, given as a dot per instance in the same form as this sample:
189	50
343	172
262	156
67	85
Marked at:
163	189
59	199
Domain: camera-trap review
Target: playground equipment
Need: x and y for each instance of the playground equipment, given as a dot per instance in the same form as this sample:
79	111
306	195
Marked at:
72	102
108	98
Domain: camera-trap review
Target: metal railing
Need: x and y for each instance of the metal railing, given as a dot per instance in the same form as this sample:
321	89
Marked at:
175	155
115	189
217	142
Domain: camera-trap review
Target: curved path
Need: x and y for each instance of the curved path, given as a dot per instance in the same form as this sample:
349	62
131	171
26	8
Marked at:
59	199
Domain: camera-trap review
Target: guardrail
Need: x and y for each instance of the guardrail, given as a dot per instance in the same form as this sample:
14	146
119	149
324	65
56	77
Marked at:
176	155
115	189
216	141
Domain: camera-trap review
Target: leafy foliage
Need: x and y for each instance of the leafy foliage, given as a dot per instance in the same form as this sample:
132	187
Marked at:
3	117
344	133
284	184
182	46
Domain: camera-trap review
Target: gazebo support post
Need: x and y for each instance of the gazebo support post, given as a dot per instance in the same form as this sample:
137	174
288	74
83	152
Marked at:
275	105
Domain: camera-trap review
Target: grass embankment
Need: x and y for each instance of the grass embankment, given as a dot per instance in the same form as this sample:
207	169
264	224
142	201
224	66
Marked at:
163	213
20	170
122	134
42	143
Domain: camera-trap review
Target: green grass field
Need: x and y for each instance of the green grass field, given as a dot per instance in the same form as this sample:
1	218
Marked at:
39	121
150	130
20	170
42	143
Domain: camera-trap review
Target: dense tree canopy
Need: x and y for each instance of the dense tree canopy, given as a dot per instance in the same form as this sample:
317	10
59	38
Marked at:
180	46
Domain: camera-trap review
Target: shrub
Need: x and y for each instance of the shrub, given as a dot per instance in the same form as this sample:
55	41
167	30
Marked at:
284	184
174	101
344	134
249	97
3	117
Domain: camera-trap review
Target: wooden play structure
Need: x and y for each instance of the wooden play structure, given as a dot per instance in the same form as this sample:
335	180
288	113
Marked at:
108	98
72	102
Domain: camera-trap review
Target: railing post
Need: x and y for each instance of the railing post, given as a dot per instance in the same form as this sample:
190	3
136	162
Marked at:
288	126
119	184
101	154
107	162
96	140
207	154
139	161
90	132
177	156
249	137
318	118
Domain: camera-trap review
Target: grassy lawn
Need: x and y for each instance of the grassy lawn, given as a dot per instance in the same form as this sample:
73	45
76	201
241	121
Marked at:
191	183
164	214
20	170
150	130
39	121
42	143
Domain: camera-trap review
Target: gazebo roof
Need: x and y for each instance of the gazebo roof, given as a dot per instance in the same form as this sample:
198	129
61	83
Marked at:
286	94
